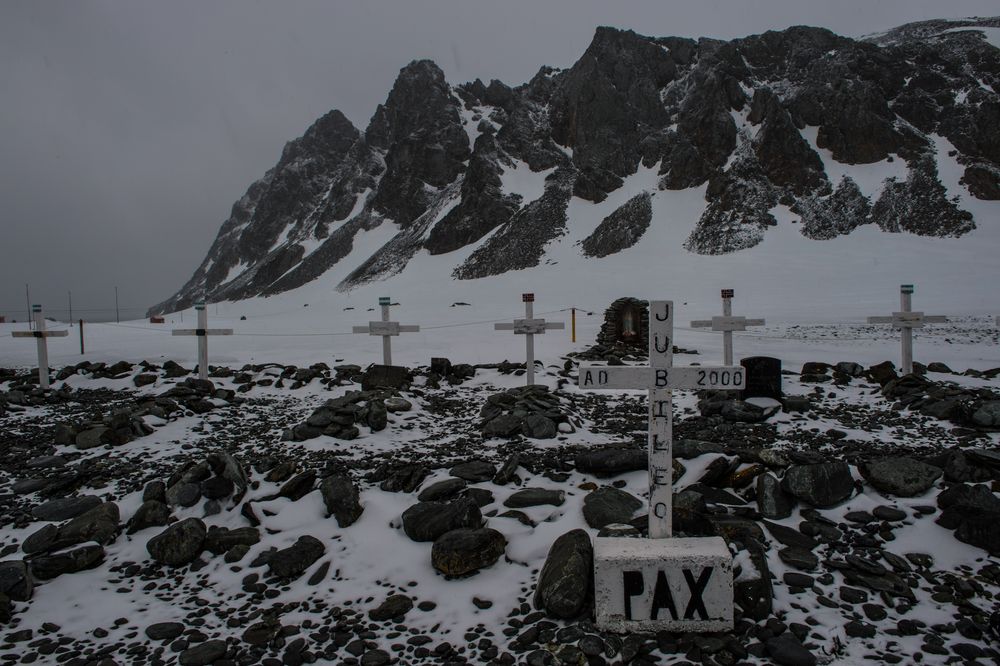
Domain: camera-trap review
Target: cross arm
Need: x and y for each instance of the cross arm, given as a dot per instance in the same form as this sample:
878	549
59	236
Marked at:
39	334
643	377
202	331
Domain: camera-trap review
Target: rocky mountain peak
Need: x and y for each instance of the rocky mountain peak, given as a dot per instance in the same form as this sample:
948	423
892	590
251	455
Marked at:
756	122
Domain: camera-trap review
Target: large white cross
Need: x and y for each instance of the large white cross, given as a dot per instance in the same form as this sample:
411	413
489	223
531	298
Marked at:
386	329
906	321
40	334
727	323
660	377
529	327
203	331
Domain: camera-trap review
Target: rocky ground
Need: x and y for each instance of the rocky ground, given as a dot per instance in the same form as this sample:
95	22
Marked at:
285	515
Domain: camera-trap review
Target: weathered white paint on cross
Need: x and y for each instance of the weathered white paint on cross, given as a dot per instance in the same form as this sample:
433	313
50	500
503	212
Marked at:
202	332
688	581
41	335
529	327
906	321
386	329
727	323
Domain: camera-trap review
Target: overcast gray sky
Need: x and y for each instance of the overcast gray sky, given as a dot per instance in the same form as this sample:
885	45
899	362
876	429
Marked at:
129	128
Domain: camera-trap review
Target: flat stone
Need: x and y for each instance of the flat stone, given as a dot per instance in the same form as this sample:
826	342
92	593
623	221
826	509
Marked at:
474	471
772	501
203	654
787	650
463	551
608	505
612	461
65	508
823	485
426	521
535	497
88	556
442	490
395	606
900	476
164	631
888	513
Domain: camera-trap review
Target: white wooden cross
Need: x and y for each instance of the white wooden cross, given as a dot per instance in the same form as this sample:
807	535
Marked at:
202	332
386	329
727	323
40	334
906	321
662	582
660	377
529	327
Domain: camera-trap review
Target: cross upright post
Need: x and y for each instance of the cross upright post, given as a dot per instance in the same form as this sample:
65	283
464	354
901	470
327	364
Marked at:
727	323
386	329
41	336
529	327
906	320
202	332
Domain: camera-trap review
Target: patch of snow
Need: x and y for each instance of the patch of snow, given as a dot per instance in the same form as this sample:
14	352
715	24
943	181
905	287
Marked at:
520	179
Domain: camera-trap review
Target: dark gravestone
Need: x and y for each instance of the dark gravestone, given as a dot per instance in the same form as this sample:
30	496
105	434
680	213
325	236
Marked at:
763	377
385	376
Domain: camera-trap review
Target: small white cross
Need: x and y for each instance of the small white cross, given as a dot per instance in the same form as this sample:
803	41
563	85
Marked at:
386	329
660	377
40	334
529	327
203	331
906	321
727	324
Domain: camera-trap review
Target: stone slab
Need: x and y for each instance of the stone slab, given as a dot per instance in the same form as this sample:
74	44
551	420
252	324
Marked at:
648	585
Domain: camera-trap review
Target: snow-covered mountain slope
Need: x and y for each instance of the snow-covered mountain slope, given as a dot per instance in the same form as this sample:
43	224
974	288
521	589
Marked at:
891	138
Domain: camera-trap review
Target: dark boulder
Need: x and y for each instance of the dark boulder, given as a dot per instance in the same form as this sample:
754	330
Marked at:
342	499
564	585
426	521
902	477
463	551
293	561
823	485
179	544
608	505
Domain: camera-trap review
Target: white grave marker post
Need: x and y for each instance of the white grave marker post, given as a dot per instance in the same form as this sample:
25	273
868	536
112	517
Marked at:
662	582
529	327
386	329
202	332
727	323
906	320
41	336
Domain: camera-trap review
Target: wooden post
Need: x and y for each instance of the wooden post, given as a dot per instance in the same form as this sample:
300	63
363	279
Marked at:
81	337
574	326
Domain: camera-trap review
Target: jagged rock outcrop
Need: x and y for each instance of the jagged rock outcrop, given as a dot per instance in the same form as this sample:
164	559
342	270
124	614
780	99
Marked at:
752	120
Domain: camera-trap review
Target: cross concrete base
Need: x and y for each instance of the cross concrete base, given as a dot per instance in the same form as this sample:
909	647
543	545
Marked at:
646	585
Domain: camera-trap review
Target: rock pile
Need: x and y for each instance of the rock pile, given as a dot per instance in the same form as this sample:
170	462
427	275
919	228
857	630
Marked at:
532	411
340	417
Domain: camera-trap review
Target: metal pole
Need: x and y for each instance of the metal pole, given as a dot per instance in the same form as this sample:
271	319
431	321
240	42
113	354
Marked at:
27	303
81	337
70	307
202	341
386	340
574	325
117	317
43	352
529	343
906	331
